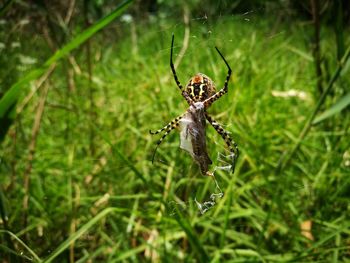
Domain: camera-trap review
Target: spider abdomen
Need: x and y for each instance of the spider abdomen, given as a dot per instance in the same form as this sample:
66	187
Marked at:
200	87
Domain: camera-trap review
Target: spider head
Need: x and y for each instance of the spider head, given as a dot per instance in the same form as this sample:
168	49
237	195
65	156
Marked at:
200	87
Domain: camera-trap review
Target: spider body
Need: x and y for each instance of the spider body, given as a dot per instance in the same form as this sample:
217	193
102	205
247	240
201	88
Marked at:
200	87
200	93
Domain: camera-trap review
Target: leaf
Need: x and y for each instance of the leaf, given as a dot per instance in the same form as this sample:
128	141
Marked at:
14	91
6	121
336	108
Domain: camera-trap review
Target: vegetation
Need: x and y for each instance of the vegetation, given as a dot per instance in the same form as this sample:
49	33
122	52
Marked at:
77	183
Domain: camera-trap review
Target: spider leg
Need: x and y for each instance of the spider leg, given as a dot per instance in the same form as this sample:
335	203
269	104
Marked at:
183	93
172	64
169	127
232	145
170	124
224	90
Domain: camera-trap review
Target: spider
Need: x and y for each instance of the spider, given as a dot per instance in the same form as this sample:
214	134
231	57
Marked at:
200	93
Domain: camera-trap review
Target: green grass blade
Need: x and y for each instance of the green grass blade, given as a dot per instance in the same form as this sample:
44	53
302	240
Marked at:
287	157
320	243
123	158
5	6
85	35
192	237
336	108
14	91
226	218
32	253
131	252
81	232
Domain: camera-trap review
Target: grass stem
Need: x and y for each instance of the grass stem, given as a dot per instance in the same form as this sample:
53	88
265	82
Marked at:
286	158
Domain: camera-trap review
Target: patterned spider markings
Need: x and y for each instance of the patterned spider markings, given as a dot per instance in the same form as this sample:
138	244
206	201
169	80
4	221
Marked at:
200	93
200	87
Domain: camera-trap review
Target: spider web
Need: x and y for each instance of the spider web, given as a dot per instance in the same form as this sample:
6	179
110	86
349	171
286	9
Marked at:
186	49
203	206
194	34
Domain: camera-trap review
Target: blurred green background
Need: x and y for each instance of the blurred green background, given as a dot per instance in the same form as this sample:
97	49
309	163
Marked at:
82	83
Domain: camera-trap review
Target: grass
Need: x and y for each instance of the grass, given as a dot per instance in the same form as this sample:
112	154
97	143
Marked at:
116	206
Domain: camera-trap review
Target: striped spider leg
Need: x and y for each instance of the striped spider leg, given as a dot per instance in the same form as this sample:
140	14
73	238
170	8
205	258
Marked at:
173	124
168	128
183	92
224	90
208	102
232	145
